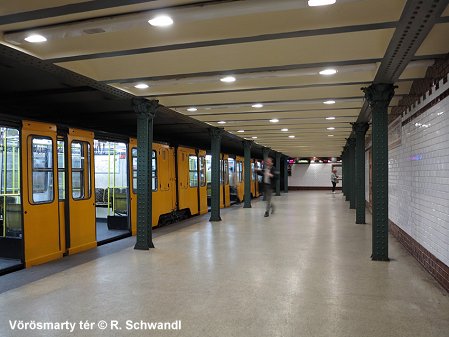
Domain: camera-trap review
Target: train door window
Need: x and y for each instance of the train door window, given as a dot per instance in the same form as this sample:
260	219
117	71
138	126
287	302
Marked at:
202	171
253	171
239	171
10	199
154	171
232	172
221	172
61	169
134	168
42	170
193	171
225	172
80	170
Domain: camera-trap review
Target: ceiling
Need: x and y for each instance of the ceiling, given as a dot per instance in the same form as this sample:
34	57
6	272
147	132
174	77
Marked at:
274	49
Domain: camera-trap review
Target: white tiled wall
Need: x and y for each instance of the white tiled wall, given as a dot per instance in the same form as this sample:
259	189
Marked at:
311	175
419	180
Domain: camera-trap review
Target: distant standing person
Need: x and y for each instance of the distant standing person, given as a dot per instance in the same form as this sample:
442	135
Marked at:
334	179
270	175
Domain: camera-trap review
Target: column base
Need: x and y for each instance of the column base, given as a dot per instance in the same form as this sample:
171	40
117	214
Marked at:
142	246
215	218
247	206
380	258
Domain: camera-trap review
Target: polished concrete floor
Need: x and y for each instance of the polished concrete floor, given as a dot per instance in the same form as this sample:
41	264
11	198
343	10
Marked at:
304	271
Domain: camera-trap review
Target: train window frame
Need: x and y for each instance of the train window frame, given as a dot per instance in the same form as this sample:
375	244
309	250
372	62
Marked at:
31	139
84	166
193	172
239	171
154	172
62	169
226	171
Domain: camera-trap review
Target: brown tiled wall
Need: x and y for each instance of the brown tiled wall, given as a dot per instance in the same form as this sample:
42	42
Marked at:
430	263
419	86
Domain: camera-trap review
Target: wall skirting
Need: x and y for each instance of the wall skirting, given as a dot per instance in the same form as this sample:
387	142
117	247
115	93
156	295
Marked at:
430	263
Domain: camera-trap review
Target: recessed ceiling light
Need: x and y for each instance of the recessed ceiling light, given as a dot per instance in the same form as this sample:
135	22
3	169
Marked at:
274	120
241	131
330	135
161	21
330	128
291	136
192	109
330	118
328	71
254	137
257	105
221	122
141	86
284	130
329	102
313	3
228	79
35	38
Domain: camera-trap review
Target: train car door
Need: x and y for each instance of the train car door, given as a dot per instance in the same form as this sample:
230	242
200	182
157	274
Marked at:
11	232
226	190
62	195
203	183
81	196
132	155
112	183
163	184
42	233
188	180
253	182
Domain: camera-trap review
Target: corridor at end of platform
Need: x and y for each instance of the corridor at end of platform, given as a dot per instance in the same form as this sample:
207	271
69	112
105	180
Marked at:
303	271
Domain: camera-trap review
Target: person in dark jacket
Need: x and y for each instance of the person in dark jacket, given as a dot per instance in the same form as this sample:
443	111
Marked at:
270	175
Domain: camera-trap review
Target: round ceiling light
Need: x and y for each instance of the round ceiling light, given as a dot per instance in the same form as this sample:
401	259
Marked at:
161	21
192	109
274	120
228	79
329	71
141	86
314	3
35	38
257	105
329	102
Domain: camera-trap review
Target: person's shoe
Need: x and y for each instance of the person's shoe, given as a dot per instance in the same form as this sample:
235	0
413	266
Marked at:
266	214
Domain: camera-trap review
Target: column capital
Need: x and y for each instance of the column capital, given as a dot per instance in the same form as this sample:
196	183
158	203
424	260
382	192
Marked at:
144	107
351	142
379	95
360	127
216	132
248	143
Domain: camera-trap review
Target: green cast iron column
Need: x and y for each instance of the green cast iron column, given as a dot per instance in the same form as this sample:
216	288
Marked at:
265	153
351	181
344	166
379	97
278	169
360	131
285	174
215	134
247	169
146	110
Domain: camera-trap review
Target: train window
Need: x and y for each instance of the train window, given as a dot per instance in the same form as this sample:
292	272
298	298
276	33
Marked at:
81	185
226	172
61	169
221	171
239	171
42	168
154	171
253	172
134	168
202	171
193	171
